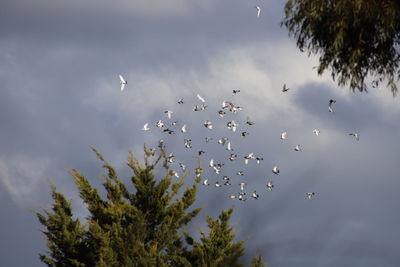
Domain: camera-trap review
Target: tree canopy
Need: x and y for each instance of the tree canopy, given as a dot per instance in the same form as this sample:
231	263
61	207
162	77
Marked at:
354	39
145	227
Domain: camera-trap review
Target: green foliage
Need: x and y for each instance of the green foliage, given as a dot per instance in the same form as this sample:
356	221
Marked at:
353	38
140	228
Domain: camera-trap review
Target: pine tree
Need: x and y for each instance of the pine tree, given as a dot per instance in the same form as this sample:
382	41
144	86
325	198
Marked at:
353	38
140	228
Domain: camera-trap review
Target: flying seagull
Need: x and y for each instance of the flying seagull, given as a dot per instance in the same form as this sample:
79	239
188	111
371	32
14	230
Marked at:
205	182
275	170
221	113
123	82
200	98
249	122
259	159
297	148
284	88
232	157
331	101
244	134
258	11
240	173
242	185
183	166
270	186
146	127
255	195
180	101
174	123
248	157
160	124
208	124
188	143
222	140
283	135
207	139
316	131
356	135
183	129
234	92
232	125
169	113
229	147
310	195
217	184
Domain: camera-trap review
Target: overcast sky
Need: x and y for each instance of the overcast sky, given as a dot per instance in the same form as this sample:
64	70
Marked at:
59	94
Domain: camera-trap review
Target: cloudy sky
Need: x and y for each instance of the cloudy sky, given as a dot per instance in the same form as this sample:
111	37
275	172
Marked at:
59	94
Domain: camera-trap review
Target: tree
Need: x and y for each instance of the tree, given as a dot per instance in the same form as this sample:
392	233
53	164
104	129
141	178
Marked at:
353	38
141	228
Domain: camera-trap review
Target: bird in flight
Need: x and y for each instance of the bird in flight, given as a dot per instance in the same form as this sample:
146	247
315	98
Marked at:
255	195
331	101
234	92
310	195
146	127
169	113
356	135
123	82
208	124
316	131
275	170
183	129
270	185
283	135
180	101
200	98
249	122
258	11
297	148
284	88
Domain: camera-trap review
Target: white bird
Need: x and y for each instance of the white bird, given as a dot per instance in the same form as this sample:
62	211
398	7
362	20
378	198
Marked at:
242	185
171	158
183	166
146	127
284	88
232	157
222	140
211	164
180	101
123	82
225	178
234	92
297	148
331	101
241	197
232	125
205	182
200	98
310	195
244	134
174	173
356	135
229	147
232	196
160	124
208	124
183	129
248	157
259	159
174	123
283	135
270	186
275	170
169	113
207	139
258	11
217	184
316	131
188	143
255	195
221	113
240	173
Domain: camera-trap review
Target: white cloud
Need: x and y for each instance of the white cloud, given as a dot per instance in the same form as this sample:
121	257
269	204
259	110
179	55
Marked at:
21	175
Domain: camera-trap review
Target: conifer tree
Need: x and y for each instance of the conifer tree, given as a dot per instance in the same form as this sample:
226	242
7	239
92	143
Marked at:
352	38
140	228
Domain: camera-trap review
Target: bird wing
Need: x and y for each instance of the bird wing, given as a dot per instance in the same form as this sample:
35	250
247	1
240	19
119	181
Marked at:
200	98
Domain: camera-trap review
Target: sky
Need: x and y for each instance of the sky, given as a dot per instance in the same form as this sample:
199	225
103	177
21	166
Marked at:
60	62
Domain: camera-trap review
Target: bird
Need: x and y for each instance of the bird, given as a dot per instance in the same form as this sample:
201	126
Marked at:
248	157
240	173
146	127
183	166
174	123
234	92
255	195
183	129
171	158
259	159
241	197
232	125
310	195
180	101
208	124
211	164
225	178
169	131
221	113
200	98
283	135
217	184
205	182
207	139
227	183
174	173
169	113
331	101
160	124
198	171
242	185
222	140
275	170
356	135
316	131
123	82
297	148
200	152
244	134
249	122
232	157
258	11
232	196
229	147
284	88
188	143
270	186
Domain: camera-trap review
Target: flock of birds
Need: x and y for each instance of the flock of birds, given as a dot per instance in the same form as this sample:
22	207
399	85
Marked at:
171	127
